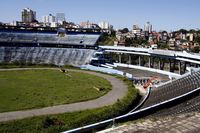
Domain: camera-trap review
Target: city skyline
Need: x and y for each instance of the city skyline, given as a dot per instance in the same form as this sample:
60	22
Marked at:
163	14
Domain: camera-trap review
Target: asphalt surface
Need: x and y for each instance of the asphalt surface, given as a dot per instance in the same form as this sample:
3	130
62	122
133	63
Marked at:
119	90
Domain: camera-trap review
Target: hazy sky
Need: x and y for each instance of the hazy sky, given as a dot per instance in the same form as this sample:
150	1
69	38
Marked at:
163	14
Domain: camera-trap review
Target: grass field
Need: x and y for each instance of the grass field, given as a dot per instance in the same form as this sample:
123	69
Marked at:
62	122
27	89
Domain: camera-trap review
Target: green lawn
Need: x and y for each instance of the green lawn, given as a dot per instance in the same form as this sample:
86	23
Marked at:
27	89
62	122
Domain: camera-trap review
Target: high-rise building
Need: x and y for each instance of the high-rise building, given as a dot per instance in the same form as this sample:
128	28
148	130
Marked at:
28	15
104	25
148	27
49	19
60	18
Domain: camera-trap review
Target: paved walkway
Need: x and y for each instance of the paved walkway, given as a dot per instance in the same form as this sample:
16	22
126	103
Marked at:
185	123
119	90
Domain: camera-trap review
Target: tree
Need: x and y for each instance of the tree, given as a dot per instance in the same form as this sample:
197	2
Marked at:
135	40
113	33
162	45
141	41
183	31
197	39
196	49
192	31
107	39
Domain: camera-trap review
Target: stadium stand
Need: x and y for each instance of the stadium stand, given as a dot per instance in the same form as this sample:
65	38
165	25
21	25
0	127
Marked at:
49	38
43	55
173	89
191	105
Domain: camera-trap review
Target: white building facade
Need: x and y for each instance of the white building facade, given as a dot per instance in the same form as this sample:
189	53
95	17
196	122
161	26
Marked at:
148	27
28	15
49	20
104	25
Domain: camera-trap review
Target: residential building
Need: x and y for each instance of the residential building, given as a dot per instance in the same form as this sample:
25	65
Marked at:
28	15
136	30
148	27
89	25
190	37
164	36
49	20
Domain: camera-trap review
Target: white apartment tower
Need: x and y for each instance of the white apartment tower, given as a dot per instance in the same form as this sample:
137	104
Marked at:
49	19
148	27
28	15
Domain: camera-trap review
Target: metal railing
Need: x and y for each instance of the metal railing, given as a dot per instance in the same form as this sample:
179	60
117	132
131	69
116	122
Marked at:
142	102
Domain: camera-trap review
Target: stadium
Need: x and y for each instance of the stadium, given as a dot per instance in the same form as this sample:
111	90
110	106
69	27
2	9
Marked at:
168	80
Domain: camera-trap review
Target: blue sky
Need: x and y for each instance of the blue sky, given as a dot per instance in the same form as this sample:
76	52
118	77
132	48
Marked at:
163	14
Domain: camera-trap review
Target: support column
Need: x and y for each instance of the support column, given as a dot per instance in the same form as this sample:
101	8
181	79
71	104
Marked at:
163	65
159	64
170	63
129	59
143	61
185	65
139	61
174	65
152	65
179	67
111	56
149	61
120	58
